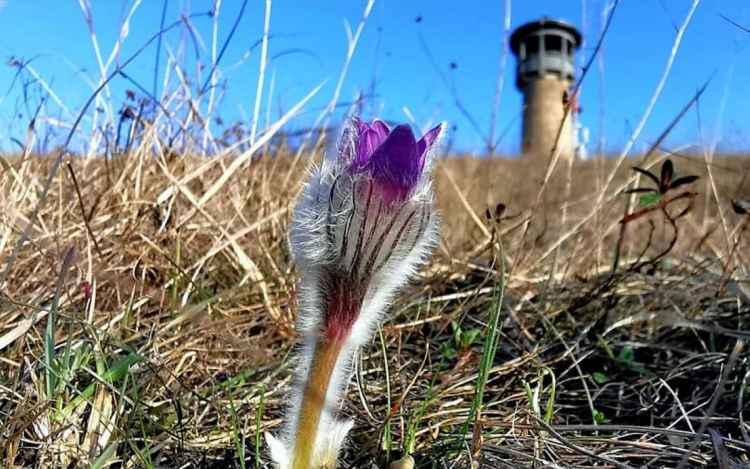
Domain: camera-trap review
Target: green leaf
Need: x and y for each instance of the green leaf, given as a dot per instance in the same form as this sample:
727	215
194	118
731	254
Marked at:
470	337
666	264
600	378
449	350
626	355
646	200
456	332
600	418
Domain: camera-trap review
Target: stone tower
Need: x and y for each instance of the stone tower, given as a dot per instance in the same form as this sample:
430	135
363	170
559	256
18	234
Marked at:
544	74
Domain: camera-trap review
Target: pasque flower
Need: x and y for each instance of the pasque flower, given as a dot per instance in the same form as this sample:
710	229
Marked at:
363	224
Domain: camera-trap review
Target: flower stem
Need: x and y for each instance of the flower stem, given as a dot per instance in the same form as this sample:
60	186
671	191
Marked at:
324	362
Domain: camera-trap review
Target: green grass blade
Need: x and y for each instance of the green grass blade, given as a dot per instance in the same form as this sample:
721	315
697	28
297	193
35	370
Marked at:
115	373
104	457
258	422
387	427
236	432
490	344
49	337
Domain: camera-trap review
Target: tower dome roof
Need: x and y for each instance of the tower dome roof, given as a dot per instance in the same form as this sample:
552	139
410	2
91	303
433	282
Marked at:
543	24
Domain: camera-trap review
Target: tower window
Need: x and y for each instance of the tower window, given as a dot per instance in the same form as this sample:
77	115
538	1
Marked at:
553	43
532	45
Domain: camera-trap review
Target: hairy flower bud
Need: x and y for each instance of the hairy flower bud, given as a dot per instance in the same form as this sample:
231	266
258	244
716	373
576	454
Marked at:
364	223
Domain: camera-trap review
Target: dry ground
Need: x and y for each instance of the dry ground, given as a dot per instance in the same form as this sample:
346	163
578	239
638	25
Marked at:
147	322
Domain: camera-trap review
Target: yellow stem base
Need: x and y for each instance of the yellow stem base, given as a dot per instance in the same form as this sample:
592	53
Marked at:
313	401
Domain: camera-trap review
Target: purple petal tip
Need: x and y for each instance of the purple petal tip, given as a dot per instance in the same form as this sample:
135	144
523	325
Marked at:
393	157
425	143
395	164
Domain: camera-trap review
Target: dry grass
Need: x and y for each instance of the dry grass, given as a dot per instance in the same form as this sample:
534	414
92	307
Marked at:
164	360
147	313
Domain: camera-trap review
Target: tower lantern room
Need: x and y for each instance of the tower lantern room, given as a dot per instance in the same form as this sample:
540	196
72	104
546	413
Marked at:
544	73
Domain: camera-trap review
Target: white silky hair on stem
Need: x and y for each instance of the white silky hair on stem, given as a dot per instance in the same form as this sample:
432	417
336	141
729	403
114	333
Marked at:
354	248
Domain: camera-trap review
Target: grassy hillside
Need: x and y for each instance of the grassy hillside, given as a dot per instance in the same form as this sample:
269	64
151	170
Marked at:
148	317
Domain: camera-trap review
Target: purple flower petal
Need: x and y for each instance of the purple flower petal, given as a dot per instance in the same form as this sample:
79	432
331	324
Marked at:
368	138
371	138
424	144
381	128
361	125
350	153
395	164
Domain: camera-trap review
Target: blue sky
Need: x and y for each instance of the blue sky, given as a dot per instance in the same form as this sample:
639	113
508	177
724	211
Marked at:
308	45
